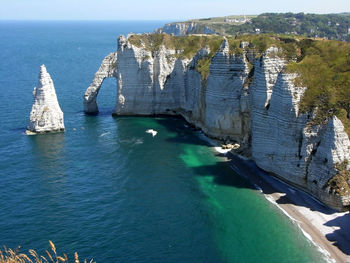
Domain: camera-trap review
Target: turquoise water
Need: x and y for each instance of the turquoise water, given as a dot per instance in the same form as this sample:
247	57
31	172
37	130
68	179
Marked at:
107	189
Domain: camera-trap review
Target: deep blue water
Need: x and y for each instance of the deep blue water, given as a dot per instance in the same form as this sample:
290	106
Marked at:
107	189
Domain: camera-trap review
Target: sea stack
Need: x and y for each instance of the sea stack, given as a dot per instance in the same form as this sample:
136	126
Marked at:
46	114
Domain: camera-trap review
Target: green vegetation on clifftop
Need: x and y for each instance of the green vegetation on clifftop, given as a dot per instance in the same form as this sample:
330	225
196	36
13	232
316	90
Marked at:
187	45
324	68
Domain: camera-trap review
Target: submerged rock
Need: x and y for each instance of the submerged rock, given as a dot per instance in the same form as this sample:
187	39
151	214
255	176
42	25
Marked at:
46	114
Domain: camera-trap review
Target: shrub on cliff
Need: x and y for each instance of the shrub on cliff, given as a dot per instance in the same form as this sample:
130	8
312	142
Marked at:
340	183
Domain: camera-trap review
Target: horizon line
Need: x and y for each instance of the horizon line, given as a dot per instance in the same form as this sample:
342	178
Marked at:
162	19
85	20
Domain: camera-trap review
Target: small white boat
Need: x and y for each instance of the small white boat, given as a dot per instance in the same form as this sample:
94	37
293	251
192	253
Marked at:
151	131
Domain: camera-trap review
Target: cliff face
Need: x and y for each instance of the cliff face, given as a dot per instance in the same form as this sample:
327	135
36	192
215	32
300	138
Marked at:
226	97
46	114
184	29
263	116
283	141
142	80
159	82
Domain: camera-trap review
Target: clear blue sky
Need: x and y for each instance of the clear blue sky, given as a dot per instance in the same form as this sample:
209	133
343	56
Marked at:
157	9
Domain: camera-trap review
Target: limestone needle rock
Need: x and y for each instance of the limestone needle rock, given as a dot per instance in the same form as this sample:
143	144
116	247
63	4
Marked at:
46	114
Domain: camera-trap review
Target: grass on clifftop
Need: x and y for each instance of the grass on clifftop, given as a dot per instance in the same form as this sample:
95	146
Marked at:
287	45
204	63
188	45
14	256
324	68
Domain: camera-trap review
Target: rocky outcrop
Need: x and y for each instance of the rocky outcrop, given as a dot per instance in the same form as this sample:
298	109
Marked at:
276	125
106	70
283	140
185	28
46	114
207	30
177	29
160	82
226	97
263	117
142	80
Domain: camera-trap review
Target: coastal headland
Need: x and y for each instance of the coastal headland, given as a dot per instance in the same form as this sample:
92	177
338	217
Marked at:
268	94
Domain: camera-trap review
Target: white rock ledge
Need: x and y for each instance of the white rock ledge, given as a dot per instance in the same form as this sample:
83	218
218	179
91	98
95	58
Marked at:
46	114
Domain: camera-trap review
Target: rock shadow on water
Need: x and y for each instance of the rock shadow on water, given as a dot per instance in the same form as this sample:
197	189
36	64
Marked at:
47	144
95	124
223	175
185	132
48	150
102	112
340	237
90	121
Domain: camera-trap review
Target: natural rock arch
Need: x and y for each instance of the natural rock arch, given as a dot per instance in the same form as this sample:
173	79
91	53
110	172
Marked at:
106	70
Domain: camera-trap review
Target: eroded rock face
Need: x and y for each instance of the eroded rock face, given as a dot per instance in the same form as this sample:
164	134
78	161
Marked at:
184	28
226	112
276	124
283	140
159	82
142	80
263	116
46	114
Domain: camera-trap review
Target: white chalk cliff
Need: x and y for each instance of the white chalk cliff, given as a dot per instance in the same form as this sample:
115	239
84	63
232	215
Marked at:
184	28
46	114
263	116
283	141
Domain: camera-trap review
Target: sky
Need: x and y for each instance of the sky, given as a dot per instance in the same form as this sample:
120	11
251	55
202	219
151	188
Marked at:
157	9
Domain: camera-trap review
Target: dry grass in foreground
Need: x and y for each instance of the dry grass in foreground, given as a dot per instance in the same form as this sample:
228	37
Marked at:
14	256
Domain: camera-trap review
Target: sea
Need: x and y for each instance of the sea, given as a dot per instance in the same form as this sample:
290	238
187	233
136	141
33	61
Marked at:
107	189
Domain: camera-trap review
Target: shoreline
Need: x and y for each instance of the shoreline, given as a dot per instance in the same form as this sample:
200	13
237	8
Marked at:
310	215
326	228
